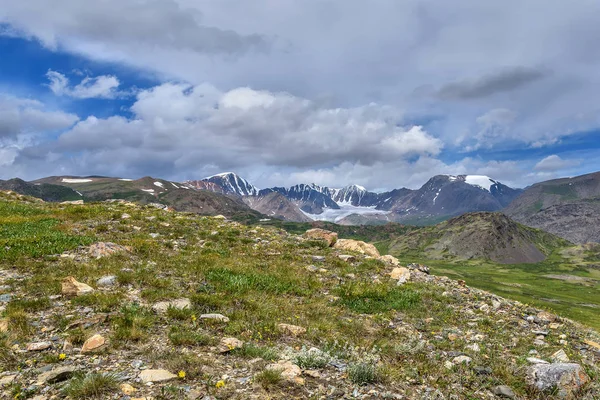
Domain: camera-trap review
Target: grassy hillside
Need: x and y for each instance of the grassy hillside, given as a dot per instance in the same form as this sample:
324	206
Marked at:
368	337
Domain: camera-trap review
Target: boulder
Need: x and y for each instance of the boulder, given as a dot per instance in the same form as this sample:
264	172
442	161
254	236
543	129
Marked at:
106	281
289	370
566	378
292	330
180	304
56	375
39	346
389	259
71	287
228	344
215	317
504	391
560	357
357	246
95	343
321	234
156	375
400	274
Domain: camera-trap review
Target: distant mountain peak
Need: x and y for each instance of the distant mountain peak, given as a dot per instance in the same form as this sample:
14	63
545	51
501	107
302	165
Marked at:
229	182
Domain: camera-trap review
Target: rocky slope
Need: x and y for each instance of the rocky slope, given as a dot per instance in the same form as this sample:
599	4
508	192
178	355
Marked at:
567	207
125	301
480	235
276	205
44	191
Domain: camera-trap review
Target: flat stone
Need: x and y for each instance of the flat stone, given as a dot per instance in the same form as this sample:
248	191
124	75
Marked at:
318	258
216	317
461	360
107	281
7	380
95	343
504	391
292	330
535	360
357	246
156	375
127	389
565	378
180	304
228	344
560	357
56	375
289	370
39	346
71	287
347	258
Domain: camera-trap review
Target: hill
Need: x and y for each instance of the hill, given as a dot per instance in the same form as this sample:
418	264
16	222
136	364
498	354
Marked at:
491	236
566	207
44	191
113	298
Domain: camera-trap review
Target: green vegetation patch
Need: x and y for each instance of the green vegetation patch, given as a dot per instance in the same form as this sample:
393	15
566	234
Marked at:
371	298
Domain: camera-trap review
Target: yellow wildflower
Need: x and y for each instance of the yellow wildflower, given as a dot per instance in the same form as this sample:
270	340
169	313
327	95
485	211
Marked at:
181	374
220	384
62	356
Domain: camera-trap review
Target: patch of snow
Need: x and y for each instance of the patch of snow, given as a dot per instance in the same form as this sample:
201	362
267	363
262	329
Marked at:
68	180
452	178
125	180
148	190
482	181
174	185
345	210
219	175
78	193
159	184
436	195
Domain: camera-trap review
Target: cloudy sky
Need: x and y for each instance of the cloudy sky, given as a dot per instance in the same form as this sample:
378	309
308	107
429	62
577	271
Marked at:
383	93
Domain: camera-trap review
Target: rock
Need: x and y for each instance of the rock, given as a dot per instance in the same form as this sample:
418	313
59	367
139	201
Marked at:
565	378
483	370
400	274
103	249
180	304
357	246
74	202
127	389
5	298
504	391
461	360
289	370
312	268
56	375
545	316
156	375
347	258
321	234
389	259
318	258
560	357
592	344
216	317
95	343
72	288
228	344
418	267
3	325
292	330
534	360
39	346
106	281
7	380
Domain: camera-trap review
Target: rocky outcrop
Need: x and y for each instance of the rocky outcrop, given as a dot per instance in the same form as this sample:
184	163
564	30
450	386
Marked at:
71	287
321	234
357	246
566	378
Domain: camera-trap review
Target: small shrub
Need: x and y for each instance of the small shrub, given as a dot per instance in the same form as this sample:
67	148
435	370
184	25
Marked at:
371	299
90	386
181	336
254	351
311	358
132	323
363	373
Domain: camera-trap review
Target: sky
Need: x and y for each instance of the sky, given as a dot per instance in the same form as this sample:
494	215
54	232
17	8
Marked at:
384	94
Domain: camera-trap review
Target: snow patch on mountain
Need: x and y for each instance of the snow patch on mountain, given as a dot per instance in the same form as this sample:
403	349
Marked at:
68	180
482	181
159	184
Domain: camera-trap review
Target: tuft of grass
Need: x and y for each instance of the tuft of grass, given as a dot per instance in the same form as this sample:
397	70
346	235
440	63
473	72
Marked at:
369	298
268	377
250	350
311	358
182	336
363	373
91	386
132	323
102	302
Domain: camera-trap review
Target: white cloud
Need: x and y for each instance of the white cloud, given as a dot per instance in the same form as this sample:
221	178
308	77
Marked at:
554	163
103	86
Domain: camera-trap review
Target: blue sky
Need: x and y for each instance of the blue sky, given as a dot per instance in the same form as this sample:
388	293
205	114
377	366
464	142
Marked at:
183	89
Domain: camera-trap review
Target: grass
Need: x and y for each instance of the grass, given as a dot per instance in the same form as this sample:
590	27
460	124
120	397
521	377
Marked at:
269	377
251	351
363	373
91	386
184	336
132	323
369	298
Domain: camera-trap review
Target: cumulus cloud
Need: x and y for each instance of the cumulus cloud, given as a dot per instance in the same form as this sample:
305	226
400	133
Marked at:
104	86
488	85
554	163
20	116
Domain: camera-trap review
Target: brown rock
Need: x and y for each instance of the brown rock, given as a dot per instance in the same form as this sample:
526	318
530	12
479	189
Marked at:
357	246
127	389
95	343
289	371
39	346
389	259
321	234
103	249
156	375
228	344
3	325
72	288
546	316
292	330
180	304
400	274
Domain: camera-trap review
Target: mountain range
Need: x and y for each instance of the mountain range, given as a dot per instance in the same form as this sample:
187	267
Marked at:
567	207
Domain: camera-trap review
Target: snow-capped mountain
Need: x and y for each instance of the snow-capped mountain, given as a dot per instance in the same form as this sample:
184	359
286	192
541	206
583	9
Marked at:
229	182
443	196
